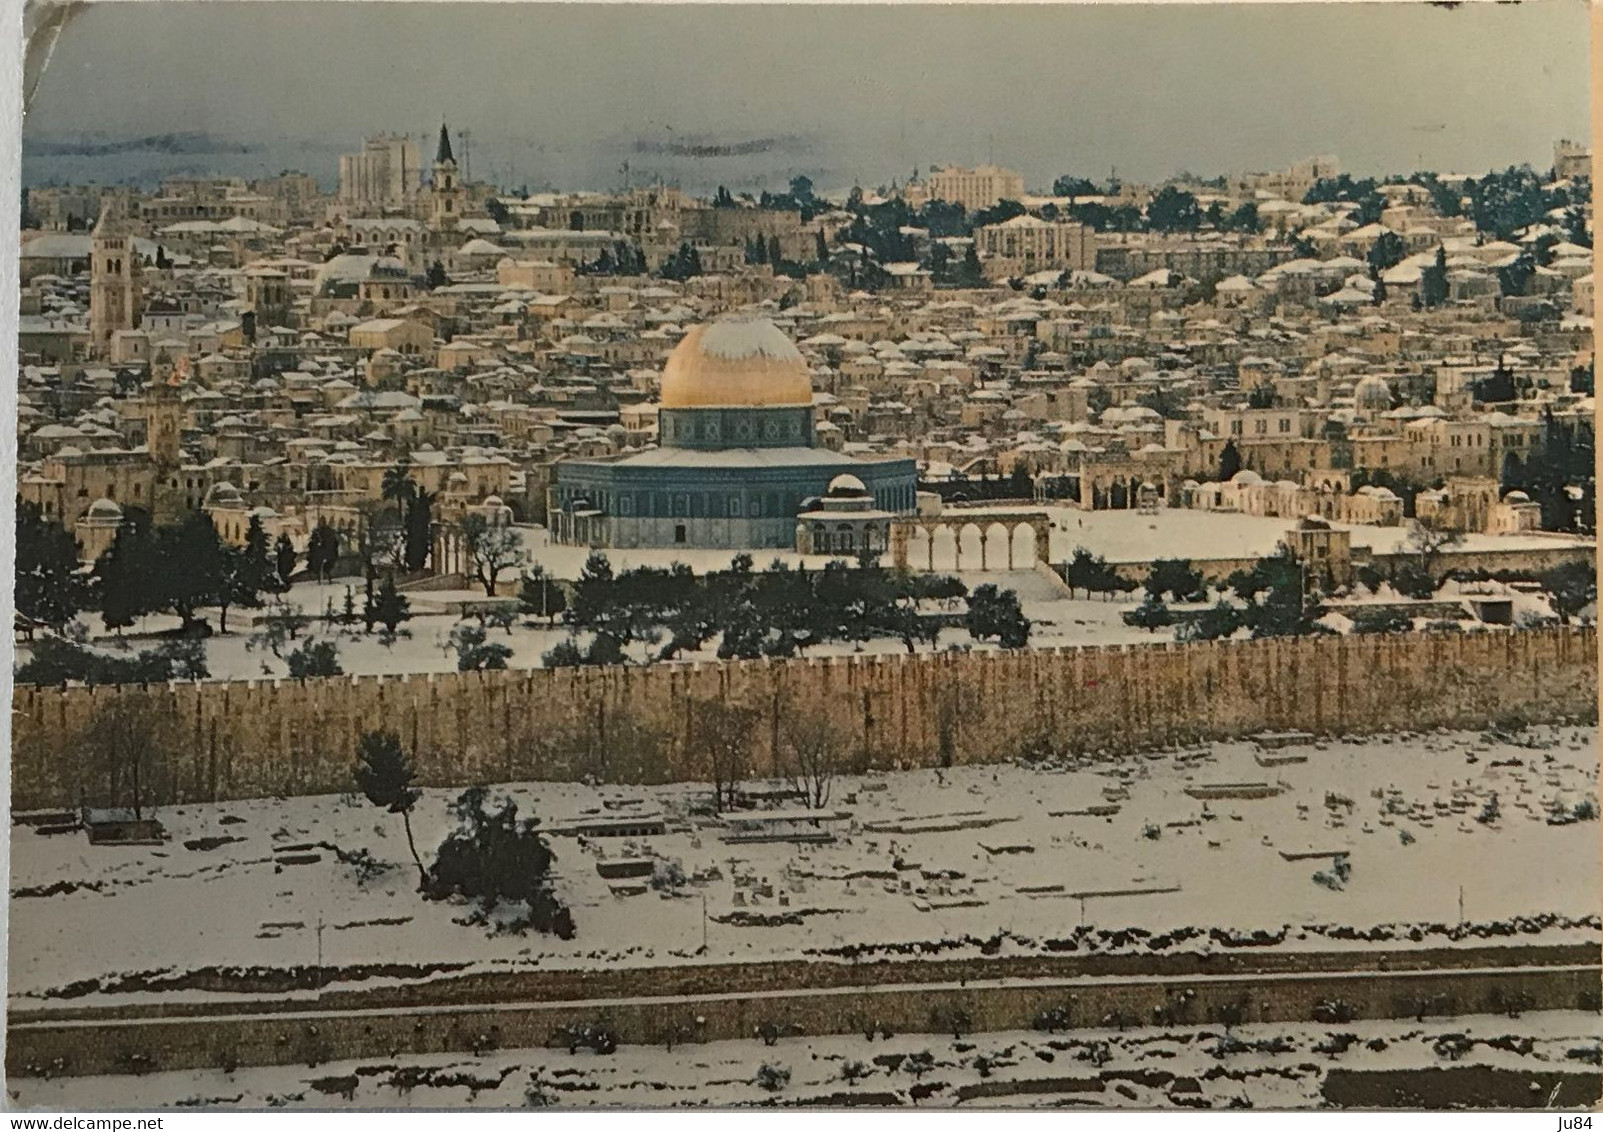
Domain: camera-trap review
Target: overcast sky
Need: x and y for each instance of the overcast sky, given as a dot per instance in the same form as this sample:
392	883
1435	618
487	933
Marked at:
563	95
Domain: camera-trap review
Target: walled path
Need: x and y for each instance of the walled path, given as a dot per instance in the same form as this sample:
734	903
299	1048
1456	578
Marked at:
909	997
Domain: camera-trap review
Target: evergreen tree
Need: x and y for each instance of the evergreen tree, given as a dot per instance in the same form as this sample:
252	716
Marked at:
260	573
1515	277
419	529
437	277
820	247
1433	281
541	595
1219	621
1229	461
125	577
994	613
1173	210
314	659
48	589
384	774
969	272
1245	219
284	559
474	652
497	862
322	551
776	254
388	607
1175	577
1386	252
192	567
1152	614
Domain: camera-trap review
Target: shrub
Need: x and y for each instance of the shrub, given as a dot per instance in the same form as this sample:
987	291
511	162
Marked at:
314	658
667	876
1052	1019
1334	1010
594	1036
498	862
772	1077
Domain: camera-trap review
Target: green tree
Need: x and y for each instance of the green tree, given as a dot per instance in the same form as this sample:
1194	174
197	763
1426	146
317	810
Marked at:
1433	281
384	775
1386	252
1245	219
501	865
474	652
389	607
192	566
125	577
1067	186
49	590
969	272
1218	622
1513	278
322	551
1381	620
541	595
996	614
1152	614
1175	577
1229	461
284	559
436	277
313	659
1571	588
1173	210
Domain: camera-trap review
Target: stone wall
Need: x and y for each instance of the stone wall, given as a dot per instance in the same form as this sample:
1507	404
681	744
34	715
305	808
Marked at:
1534	561
317	1036
219	741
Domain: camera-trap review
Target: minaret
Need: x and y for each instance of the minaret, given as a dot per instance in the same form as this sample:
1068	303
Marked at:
113	278
445	197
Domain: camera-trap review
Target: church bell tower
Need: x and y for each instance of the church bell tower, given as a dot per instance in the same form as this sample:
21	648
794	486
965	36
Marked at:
113	279
446	194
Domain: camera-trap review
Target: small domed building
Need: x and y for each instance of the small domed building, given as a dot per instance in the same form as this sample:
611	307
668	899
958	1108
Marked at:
737	460
844	522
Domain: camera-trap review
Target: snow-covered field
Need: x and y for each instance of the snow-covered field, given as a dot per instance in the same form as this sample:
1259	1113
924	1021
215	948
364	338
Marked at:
1255	1066
959	855
1120	536
424	646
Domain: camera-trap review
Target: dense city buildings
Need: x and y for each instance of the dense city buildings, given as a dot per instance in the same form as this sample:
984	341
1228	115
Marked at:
643	368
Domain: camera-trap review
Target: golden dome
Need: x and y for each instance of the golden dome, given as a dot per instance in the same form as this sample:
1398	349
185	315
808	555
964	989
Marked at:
744	361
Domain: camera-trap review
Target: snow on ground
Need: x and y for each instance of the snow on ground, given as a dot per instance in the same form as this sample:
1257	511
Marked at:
923	856
1256	1066
1119	536
241	654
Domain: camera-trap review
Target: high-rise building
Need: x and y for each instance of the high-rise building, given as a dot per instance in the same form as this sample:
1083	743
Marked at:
974	189
386	172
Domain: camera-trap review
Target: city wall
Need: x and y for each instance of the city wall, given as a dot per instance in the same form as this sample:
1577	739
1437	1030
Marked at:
221	740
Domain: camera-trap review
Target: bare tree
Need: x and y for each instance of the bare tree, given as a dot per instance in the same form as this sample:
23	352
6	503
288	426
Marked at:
491	548
812	752
1429	537
722	732
122	745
